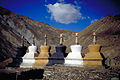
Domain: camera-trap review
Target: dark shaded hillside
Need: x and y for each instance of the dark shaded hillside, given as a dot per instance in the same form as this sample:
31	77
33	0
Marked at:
14	26
108	36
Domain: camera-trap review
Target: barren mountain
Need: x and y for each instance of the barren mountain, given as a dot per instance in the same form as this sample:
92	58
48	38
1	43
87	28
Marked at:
108	36
14	26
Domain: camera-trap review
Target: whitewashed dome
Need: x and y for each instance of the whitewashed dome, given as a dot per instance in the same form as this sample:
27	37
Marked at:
74	58
28	59
32	49
76	48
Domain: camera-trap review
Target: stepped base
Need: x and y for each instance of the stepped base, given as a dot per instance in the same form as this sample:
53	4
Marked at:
73	61
74	58
93	58
27	63
96	62
40	62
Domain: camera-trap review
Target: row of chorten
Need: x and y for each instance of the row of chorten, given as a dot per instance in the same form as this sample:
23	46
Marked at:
93	57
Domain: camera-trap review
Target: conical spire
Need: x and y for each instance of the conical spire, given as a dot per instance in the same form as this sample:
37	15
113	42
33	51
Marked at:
94	37
33	37
76	39
22	41
45	43
61	38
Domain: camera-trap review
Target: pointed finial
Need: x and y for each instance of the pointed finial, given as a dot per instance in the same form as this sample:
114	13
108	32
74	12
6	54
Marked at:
61	38
45	43
33	37
76	40
94	32
22	40
94	37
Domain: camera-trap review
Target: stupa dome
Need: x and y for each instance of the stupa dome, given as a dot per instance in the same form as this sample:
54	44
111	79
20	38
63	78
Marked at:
76	48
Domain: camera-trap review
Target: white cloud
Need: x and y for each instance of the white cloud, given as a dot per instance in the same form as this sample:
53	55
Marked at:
92	21
64	13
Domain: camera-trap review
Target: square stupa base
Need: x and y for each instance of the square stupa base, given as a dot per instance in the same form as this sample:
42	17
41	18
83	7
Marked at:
40	62
95	62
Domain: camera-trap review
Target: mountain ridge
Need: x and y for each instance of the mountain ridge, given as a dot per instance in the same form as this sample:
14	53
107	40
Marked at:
14	26
108	36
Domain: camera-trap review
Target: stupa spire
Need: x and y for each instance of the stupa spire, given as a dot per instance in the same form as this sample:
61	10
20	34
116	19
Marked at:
44	54
45	43
93	57
33	42
94	37
61	38
76	39
22	40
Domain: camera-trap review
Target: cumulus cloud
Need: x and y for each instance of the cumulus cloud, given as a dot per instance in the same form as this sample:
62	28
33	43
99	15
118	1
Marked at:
64	13
92	21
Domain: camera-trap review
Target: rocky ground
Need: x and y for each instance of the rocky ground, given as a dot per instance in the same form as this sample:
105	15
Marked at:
60	72
13	27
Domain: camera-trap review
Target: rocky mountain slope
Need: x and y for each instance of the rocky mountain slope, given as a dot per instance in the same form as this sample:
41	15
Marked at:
108	36
14	26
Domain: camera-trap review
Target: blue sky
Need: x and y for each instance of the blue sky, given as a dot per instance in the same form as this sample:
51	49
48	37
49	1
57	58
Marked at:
72	15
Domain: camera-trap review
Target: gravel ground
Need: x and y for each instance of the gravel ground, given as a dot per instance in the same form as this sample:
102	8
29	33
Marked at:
61	72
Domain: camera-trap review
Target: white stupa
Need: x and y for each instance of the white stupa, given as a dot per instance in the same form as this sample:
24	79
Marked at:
74	57
28	58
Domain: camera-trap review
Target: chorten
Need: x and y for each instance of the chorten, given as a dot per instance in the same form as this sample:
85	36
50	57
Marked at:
93	57
28	58
74	57
58	57
42	58
21	50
